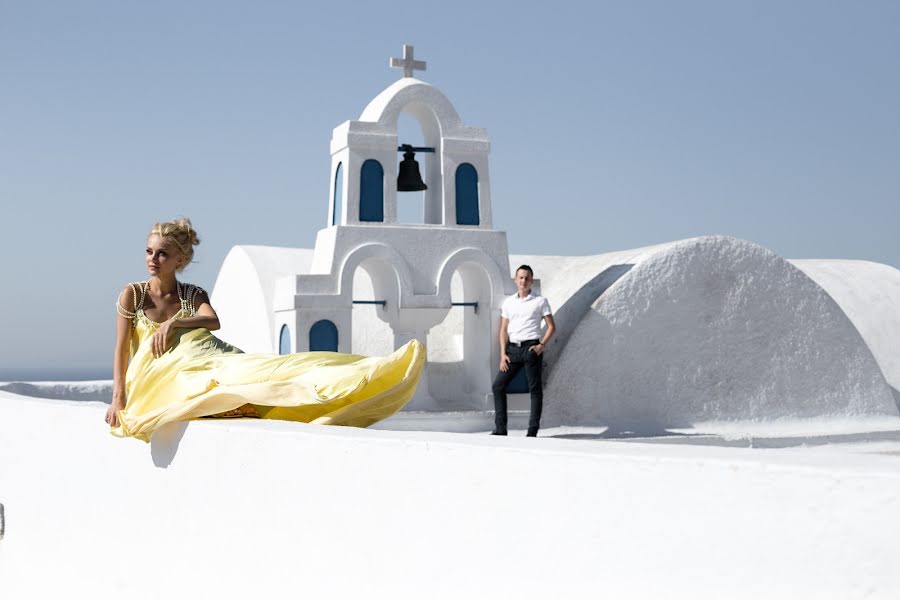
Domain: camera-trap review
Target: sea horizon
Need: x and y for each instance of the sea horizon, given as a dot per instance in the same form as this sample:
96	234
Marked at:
55	373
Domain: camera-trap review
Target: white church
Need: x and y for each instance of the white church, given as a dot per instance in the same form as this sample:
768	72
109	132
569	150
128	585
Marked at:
705	329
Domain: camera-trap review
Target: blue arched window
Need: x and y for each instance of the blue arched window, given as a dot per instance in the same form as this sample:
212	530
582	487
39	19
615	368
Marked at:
284	340
467	195
323	336
371	191
338	194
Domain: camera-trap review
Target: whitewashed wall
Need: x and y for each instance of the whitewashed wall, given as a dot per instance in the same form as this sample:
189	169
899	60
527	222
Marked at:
869	294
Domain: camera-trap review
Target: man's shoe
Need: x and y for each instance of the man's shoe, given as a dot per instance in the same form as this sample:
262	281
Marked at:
498	433
531	433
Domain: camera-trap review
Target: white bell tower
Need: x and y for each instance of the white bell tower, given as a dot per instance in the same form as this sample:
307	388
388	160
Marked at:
364	158
452	270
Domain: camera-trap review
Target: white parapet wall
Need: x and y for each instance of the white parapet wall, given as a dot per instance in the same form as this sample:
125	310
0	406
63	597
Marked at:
250	509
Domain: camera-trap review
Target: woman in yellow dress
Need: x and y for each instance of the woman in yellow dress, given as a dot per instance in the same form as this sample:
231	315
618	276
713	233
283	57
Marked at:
169	367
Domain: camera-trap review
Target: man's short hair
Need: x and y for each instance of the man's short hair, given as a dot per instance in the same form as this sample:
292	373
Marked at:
526	268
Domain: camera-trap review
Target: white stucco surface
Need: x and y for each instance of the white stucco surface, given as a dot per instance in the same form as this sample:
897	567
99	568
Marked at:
572	283
254	509
711	328
561	277
244	293
372	336
869	294
669	335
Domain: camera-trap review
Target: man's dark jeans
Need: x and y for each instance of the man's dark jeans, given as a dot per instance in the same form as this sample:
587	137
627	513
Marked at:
519	357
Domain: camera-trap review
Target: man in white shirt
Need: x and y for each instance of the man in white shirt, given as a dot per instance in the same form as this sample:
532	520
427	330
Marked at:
522	346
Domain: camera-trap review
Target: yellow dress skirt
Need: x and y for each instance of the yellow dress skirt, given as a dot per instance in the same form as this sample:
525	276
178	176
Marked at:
203	376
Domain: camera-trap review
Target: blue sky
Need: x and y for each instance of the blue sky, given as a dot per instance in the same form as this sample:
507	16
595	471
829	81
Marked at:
613	125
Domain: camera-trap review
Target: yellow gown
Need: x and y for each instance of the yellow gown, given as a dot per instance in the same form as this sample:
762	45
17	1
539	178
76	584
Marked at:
203	376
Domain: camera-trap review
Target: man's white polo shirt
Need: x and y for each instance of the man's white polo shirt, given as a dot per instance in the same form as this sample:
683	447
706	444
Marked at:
525	315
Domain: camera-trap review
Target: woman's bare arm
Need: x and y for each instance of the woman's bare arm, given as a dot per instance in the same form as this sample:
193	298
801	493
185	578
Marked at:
204	317
121	355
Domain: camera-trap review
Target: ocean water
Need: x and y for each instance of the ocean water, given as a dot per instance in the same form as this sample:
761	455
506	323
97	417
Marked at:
55	374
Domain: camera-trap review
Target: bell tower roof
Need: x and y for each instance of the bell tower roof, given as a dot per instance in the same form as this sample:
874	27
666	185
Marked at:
414	96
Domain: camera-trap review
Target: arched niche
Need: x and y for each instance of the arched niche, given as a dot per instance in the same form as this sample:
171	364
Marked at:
284	340
323	336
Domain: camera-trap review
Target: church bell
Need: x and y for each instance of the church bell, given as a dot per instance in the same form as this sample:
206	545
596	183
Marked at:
408	177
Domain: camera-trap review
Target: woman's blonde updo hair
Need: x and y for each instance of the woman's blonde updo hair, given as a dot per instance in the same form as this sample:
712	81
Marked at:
181	233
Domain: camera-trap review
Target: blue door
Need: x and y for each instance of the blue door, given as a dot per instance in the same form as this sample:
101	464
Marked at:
323	336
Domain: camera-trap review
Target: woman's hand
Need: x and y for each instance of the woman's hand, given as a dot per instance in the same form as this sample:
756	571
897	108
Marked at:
162	339
112	413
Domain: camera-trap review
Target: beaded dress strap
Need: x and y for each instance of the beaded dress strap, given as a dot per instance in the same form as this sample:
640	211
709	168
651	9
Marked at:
195	291
184	289
134	298
145	289
188	297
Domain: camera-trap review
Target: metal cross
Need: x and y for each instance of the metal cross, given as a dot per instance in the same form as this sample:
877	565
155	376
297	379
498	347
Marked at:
407	63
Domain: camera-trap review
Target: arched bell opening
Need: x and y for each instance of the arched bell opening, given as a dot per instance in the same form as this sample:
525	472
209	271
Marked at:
284	340
411	204
418	126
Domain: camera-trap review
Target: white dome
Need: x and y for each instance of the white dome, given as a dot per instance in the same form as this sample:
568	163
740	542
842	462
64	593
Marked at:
245	289
707	329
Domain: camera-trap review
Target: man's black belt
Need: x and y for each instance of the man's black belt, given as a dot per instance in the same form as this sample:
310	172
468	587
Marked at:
525	343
